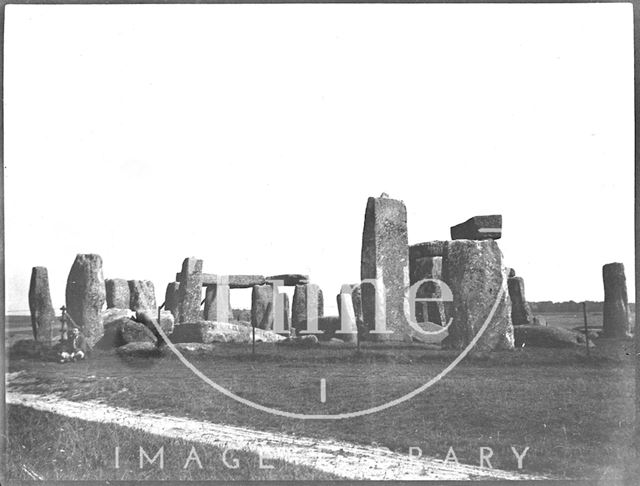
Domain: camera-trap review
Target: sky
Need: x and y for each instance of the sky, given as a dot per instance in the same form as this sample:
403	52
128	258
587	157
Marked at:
251	136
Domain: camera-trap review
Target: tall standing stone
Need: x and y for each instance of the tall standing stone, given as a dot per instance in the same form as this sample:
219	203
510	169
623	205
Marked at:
142	295
262	306
520	309
118	295
284	309
303	296
190	291
385	257
43	317
474	272
86	295
171	297
217	303
615	319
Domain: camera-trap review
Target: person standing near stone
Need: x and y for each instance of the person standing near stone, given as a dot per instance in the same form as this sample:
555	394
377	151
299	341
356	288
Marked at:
615	318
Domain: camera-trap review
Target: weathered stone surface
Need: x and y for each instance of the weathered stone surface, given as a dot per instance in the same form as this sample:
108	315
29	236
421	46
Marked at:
427	249
283	309
113	314
615	318
190	291
478	228
233	281
308	341
520	309
134	332
142	295
421	268
290	279
217	304
385	256
86	295
112	337
474	272
149	319
209	332
262	306
171	297
143	349
43	317
547	337
303	296
118	296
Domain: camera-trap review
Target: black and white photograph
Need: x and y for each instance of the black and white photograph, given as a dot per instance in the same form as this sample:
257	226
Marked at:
319	241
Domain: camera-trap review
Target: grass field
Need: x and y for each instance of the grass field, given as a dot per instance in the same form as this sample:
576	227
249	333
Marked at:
575	414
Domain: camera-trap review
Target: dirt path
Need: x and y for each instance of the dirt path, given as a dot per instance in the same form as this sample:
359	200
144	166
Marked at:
350	461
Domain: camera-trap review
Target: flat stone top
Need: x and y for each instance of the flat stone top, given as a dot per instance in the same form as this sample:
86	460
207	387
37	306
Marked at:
427	249
478	228
291	279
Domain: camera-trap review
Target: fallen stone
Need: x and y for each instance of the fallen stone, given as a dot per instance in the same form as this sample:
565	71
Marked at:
385	256
113	314
171	297
539	321
142	295
290	279
117	293
474	272
329	327
478	228
427	249
149	319
547	337
208	332
133	332
300	341
190	291
262	306
43	317
112	335
520	310
142	349
306	295
615	318
86	295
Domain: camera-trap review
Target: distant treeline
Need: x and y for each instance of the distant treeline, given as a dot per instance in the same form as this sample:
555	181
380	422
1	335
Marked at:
570	306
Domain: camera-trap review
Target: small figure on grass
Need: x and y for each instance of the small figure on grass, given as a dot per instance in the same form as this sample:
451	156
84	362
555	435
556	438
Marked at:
73	348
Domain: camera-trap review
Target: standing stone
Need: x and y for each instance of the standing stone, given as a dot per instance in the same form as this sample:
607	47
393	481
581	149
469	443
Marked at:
262	306
615	319
217	297
142	295
171	297
43	317
190	291
474	272
427	249
421	268
356	302
478	228
283	308
310	294
520	309
385	256
86	295
118	295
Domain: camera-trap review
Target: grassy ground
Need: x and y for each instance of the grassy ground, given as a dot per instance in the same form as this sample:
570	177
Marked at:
59	448
575	414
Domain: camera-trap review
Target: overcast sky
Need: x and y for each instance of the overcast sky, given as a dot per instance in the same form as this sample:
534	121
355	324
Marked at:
251	136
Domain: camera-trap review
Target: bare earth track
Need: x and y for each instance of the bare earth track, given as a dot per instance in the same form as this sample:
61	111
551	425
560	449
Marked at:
343	459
